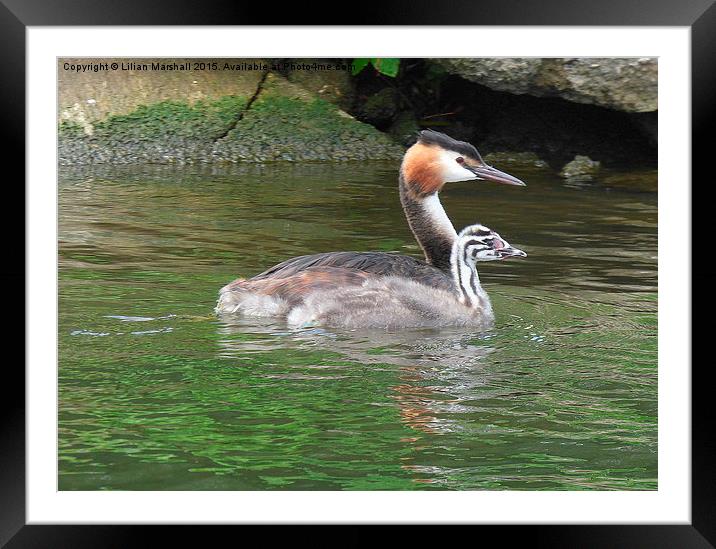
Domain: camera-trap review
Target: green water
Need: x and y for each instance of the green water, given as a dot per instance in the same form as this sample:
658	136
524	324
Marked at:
155	393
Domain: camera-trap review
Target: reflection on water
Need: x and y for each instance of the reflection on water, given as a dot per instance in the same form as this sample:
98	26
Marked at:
158	393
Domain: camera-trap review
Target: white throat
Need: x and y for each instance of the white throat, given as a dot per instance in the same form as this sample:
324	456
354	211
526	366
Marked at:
436	213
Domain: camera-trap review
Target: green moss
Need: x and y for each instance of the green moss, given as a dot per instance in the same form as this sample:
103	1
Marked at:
275	127
285	128
204	120
288	116
70	130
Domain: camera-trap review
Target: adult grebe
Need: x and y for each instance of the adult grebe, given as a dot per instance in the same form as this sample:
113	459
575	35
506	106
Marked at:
348	298
434	160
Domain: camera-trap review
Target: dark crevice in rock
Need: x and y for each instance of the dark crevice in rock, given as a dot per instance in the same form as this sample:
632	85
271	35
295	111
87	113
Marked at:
259	89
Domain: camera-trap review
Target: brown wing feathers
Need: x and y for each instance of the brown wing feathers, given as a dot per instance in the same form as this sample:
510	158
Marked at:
295	278
293	288
375	263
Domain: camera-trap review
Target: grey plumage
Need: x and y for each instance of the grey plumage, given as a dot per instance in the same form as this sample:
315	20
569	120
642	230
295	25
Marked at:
388	303
374	289
385	290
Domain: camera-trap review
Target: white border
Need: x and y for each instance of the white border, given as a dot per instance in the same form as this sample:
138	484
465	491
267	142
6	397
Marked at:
670	504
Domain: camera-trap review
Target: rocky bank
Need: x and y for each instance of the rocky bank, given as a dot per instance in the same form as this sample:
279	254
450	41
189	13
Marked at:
199	115
597	112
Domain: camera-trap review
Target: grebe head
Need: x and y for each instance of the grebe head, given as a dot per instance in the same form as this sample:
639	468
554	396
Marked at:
479	243
437	159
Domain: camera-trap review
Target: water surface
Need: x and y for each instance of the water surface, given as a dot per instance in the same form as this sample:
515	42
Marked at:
156	393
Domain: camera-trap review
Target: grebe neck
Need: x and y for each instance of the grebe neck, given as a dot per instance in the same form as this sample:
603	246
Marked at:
430	225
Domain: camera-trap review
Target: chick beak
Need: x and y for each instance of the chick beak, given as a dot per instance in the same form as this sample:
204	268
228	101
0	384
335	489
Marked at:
509	251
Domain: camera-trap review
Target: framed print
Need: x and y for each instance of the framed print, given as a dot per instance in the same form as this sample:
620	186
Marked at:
246	303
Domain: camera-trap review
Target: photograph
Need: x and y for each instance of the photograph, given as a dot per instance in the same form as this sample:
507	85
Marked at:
357	274
431	266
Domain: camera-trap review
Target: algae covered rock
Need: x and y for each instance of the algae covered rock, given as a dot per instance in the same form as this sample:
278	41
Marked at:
91	90
149	110
286	122
582	168
271	119
165	132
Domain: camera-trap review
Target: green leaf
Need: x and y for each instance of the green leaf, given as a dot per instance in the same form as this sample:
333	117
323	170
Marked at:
388	66
359	65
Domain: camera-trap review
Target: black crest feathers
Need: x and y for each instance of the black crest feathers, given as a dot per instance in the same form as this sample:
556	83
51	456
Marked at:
431	137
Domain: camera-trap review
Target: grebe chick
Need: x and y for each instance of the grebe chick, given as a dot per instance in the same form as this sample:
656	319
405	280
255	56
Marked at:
434	160
338	297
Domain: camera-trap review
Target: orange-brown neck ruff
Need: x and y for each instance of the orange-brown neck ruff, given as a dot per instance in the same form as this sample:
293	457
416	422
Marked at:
421	170
419	182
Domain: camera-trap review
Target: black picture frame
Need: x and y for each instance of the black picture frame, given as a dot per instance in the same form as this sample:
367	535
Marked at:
16	15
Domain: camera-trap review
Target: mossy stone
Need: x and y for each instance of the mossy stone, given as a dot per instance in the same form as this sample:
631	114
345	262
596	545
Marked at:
284	122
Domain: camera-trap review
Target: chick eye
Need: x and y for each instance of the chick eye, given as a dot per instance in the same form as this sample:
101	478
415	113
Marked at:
460	160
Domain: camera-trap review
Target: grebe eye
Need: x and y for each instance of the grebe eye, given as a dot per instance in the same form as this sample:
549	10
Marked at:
460	160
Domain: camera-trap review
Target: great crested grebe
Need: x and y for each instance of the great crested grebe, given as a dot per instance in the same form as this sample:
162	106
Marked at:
435	159
345	298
